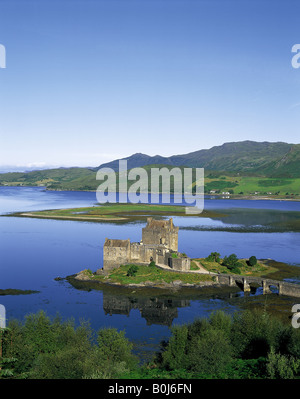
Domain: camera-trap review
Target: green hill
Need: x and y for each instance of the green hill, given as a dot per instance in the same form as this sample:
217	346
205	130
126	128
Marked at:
242	167
286	166
61	178
247	157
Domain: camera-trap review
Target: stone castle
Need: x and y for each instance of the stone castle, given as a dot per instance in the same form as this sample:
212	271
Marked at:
159	244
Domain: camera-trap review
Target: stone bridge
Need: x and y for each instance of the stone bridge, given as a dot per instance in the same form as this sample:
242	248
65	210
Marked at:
245	282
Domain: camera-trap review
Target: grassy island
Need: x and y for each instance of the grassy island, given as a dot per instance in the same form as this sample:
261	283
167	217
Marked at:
148	276
114	212
14	291
202	273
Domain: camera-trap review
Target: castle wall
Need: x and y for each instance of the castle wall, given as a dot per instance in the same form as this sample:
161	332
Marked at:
136	253
115	253
180	263
143	253
158	238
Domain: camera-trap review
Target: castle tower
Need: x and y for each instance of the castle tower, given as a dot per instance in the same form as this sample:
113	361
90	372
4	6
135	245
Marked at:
115	253
161	232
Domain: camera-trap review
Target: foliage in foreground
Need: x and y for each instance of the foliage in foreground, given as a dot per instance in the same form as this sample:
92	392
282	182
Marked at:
57	349
250	344
247	345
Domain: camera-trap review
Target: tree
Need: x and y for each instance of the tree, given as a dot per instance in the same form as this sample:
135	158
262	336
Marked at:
115	350
281	366
232	263
6	363
252	261
174	357
210	353
214	257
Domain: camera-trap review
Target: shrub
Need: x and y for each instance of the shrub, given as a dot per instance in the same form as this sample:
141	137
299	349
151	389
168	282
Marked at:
281	366
114	347
252	261
132	270
230	260
253	333
214	257
175	356
232	263
210	352
201	347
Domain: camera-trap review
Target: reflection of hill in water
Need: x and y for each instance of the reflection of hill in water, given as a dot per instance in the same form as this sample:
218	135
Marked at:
252	219
155	310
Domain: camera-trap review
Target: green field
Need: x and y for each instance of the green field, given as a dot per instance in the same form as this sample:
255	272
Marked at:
83	179
247	185
260	269
157	276
116	212
149	274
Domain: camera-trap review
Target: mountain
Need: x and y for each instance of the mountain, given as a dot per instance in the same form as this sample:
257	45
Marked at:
138	160
286	166
248	157
245	158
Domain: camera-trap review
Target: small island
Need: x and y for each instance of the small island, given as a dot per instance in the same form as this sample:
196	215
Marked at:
155	262
15	291
111	212
132	275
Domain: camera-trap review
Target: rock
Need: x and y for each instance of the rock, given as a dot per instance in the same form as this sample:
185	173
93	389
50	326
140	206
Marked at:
82	277
177	283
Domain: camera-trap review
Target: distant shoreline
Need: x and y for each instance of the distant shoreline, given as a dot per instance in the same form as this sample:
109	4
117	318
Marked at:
218	195
112	212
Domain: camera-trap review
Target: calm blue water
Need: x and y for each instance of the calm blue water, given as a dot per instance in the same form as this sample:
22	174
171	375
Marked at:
35	251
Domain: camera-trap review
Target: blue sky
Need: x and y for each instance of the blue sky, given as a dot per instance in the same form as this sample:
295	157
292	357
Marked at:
91	81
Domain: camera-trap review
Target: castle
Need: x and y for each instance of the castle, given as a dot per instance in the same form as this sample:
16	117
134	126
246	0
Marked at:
159	244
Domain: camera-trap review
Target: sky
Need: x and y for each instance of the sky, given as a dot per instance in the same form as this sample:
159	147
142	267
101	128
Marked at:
87	82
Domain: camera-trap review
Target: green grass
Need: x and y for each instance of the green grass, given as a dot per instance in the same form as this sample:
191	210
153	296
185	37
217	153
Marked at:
254	184
151	274
250	185
115	211
194	266
261	268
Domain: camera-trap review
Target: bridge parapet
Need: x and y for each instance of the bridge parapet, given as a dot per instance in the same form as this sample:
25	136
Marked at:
284	288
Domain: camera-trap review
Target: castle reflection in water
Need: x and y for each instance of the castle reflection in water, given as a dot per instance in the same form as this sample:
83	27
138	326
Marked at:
155	310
